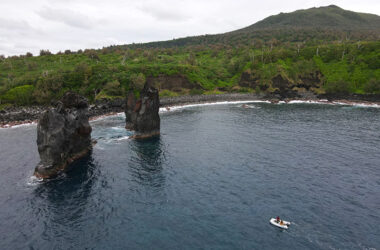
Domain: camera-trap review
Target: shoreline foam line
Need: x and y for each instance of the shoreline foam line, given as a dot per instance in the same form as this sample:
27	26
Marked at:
179	107
7	126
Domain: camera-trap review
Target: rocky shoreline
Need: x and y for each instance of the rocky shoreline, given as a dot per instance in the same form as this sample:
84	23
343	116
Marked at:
20	115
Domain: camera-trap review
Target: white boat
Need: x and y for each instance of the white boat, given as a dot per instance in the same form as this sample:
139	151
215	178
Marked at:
282	224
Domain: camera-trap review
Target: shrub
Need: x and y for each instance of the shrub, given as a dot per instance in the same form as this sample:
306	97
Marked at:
257	90
138	81
31	65
167	93
21	95
48	87
337	87
113	88
196	92
373	86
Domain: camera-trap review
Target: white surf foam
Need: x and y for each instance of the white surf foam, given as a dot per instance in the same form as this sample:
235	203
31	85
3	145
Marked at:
326	102
308	102
102	117
359	105
118	128
179	107
122	138
7	126
33	181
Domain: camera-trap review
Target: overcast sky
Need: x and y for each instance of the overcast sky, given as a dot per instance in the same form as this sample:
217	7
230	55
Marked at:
31	25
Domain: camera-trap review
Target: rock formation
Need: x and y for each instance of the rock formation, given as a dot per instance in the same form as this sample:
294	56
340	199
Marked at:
63	135
142	113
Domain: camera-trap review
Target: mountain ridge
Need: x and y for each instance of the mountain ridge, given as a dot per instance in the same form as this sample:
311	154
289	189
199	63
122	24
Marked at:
326	23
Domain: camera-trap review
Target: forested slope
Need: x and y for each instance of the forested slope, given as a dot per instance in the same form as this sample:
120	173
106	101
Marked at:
239	61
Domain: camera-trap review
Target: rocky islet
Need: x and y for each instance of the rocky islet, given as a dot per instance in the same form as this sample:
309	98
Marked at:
63	135
141	114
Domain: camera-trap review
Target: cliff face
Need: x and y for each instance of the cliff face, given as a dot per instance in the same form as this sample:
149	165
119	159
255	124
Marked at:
248	80
63	135
142	113
282	86
173	83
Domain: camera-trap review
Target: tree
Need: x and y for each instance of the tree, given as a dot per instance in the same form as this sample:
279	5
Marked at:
339	86
45	52
48	87
113	88
92	54
31	65
192	60
373	86
138	81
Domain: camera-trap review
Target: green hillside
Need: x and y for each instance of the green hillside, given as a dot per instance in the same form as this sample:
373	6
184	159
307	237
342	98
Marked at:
330	17
233	62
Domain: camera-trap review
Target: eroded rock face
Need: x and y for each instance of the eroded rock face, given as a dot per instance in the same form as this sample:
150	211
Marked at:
142	113
248	80
173	82
63	135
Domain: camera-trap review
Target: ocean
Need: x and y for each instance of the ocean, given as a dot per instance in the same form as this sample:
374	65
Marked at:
212	180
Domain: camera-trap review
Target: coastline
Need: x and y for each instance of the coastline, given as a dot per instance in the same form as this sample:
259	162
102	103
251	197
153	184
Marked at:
18	116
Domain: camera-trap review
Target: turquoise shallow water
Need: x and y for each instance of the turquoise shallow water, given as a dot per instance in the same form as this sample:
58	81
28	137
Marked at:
212	180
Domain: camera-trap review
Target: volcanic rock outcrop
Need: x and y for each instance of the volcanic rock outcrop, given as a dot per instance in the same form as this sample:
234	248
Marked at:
141	114
63	135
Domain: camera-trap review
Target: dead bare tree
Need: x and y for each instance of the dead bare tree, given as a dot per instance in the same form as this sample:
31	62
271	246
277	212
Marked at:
252	54
124	59
359	45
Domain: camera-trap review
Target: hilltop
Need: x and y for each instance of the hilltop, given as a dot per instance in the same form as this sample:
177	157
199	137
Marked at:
329	17
329	23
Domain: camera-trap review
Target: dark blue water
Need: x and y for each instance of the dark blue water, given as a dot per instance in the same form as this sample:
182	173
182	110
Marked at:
212	180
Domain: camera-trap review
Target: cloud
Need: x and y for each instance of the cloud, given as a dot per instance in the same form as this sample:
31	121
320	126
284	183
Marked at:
164	14
9	24
66	16
45	24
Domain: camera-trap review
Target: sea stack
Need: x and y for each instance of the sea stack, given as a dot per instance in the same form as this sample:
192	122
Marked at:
63	135
141	114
